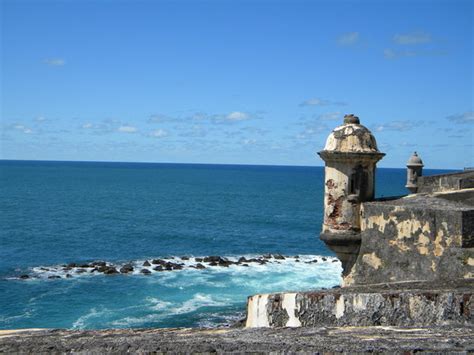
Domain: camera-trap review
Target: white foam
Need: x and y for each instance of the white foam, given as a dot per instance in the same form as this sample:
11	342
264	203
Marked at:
198	301
136	321
82	321
157	304
326	270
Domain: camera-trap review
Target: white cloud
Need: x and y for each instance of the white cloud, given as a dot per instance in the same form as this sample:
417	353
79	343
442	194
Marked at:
237	116
249	141
389	53
330	116
232	117
40	119
463	118
399	126
392	54
412	38
348	39
127	129
159	133
315	101
160	118
87	125
22	128
55	62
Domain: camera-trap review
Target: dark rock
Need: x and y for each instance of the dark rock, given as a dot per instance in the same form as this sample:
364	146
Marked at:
245	265
146	263
296	256
185	258
81	271
335	261
213	258
225	262
158	268
68	276
213	263
44	269
54	277
126	268
98	263
84	265
24	277
67	268
200	266
199	260
267	256
279	257
71	265
110	270
102	268
324	259
177	267
158	262
145	271
242	260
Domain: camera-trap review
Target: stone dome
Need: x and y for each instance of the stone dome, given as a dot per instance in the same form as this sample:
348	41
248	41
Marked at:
351	137
415	160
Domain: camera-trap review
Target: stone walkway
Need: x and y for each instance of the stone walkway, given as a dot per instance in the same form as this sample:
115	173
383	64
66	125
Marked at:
283	340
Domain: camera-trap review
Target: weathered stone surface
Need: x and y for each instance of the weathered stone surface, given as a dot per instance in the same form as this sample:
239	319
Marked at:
346	340
405	305
350	156
445	182
416	238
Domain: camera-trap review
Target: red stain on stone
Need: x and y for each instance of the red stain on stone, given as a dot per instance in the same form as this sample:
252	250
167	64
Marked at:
331	219
331	184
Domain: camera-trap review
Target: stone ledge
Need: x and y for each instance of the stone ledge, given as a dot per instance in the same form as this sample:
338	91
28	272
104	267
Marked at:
370	306
349	340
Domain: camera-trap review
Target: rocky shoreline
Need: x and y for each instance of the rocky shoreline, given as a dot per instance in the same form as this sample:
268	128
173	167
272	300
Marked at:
153	265
346	340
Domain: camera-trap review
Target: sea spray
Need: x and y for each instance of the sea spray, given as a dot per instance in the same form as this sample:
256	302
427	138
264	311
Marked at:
213	296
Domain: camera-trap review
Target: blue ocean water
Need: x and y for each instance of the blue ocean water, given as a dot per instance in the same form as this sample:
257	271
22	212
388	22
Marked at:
54	213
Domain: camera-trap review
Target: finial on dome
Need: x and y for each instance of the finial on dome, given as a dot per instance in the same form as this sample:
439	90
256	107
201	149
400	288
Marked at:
351	119
415	160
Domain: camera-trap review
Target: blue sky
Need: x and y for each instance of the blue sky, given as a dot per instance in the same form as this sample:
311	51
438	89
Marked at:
244	82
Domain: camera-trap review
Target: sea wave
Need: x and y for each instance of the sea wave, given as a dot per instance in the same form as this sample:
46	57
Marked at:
159	309
200	266
211	296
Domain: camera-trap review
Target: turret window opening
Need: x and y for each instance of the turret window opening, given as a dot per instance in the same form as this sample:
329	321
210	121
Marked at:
355	182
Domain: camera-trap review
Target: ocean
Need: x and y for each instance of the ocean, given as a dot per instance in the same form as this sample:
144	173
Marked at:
58	217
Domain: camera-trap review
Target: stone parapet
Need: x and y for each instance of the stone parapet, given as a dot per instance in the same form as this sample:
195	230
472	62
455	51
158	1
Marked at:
416	238
377	306
446	182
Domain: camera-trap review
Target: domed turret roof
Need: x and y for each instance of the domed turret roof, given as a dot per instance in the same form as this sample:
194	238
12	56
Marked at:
415	160
351	137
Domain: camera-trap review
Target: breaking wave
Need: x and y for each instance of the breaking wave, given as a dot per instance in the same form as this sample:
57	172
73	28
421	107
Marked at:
212	295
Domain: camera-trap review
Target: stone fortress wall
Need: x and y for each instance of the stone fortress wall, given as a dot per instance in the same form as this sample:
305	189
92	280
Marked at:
407	260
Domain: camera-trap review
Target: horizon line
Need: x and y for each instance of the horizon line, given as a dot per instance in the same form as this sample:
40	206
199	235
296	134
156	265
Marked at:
175	163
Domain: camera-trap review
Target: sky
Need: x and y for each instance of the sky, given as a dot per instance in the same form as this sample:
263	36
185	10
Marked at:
235	82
